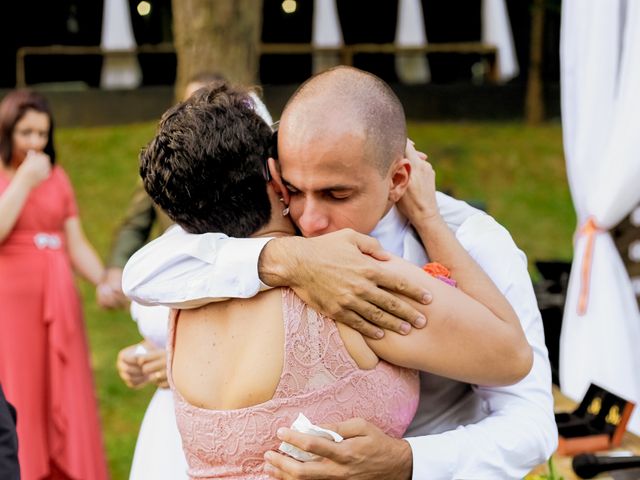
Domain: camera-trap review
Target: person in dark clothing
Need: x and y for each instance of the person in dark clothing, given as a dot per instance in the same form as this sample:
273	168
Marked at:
9	468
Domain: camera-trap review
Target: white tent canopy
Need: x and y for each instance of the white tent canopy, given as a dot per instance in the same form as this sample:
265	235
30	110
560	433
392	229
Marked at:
600	75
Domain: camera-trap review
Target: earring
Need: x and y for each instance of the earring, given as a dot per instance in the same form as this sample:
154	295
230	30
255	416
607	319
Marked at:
285	212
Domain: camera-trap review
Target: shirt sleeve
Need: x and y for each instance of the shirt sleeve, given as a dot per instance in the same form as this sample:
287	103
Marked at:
183	270
519	431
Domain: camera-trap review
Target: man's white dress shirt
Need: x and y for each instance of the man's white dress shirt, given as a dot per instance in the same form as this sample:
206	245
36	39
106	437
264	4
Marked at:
460	431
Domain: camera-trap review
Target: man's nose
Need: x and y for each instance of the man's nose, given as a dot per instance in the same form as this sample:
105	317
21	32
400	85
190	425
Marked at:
313	220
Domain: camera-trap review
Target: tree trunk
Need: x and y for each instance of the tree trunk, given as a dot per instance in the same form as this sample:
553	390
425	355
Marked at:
534	106
220	36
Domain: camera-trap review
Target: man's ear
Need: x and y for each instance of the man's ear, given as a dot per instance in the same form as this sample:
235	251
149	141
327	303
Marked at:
400	175
276	180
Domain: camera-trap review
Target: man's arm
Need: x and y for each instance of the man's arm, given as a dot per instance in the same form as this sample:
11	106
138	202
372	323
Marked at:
519	431
335	274
184	270
338	275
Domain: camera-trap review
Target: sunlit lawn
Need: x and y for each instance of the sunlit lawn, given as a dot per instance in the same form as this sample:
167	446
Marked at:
516	172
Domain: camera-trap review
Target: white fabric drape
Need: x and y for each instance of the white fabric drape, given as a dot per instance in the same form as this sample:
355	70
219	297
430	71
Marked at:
117	34
496	30
600	70
326	32
410	32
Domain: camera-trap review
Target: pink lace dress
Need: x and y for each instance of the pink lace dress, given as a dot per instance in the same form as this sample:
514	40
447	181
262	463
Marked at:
319	378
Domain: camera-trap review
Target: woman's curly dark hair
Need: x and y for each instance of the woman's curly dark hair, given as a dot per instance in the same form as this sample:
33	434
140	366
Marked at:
205	165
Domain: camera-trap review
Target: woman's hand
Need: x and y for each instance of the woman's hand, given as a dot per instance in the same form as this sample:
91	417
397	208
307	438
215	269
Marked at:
154	365
419	201
141	364
35	168
129	368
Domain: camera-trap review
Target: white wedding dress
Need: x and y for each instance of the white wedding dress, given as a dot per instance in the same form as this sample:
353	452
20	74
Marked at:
158	454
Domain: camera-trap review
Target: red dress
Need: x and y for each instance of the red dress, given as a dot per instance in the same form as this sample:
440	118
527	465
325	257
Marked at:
44	359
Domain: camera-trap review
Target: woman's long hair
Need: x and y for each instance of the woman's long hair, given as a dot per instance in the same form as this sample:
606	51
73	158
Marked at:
12	108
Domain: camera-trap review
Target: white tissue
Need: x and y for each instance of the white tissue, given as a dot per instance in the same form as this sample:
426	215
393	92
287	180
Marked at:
303	425
140	350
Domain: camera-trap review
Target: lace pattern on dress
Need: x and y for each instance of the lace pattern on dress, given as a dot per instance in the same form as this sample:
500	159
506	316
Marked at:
319	378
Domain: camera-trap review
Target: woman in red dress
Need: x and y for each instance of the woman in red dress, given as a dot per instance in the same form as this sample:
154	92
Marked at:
44	360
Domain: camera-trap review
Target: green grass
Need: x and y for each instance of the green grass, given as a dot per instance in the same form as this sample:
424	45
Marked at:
516	171
102	164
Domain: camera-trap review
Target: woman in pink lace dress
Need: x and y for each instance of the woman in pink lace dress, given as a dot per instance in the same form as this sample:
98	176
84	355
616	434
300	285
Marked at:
243	368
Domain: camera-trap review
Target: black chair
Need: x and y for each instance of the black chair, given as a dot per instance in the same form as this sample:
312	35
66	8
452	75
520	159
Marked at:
551	293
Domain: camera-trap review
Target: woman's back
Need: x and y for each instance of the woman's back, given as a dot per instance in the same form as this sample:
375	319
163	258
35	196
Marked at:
244	368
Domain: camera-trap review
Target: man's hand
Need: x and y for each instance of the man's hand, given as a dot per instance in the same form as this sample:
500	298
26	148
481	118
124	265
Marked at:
339	274
109	290
365	453
418	203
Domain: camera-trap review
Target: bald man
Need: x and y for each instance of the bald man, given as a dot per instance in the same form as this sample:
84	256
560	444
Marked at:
341	156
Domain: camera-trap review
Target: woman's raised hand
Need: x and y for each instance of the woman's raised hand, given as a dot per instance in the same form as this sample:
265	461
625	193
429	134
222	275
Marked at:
419	201
35	168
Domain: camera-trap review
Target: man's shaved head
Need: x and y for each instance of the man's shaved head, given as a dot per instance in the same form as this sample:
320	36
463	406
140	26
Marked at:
350	99
341	148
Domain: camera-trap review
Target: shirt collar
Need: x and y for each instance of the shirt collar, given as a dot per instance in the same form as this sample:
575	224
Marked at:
390	231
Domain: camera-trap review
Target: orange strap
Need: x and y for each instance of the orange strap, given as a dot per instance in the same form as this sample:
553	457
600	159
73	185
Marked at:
590	229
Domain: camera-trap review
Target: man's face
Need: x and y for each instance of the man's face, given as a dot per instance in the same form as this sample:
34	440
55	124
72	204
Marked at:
331	183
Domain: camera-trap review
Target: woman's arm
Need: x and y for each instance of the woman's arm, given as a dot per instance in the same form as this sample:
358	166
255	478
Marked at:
84	258
463	339
419	205
35	168
11	202
473	333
